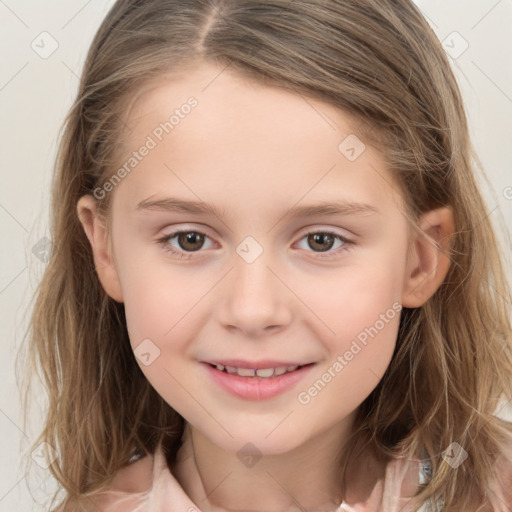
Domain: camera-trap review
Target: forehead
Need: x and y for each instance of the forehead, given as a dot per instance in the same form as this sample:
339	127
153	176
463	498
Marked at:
246	138
227	100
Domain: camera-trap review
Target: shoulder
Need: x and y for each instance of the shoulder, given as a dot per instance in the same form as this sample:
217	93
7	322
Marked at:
381	483
129	485
136	477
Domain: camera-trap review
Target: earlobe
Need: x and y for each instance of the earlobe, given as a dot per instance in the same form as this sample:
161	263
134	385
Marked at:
96	233
429	257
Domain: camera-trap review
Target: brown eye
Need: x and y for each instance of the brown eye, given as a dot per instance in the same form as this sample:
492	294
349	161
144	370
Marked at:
190	240
321	241
185	243
324	244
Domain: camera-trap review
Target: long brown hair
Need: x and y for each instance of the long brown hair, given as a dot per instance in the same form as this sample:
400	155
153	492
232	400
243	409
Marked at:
376	60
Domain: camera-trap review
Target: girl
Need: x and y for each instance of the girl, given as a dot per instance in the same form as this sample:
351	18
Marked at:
273	284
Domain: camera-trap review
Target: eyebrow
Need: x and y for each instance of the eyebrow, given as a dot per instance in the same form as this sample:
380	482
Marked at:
171	204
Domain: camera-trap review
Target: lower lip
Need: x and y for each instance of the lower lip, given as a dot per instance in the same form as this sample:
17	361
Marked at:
257	388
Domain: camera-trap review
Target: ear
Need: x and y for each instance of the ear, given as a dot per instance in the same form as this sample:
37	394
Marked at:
428	259
94	227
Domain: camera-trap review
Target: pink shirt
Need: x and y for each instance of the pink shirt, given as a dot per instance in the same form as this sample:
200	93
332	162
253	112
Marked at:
147	485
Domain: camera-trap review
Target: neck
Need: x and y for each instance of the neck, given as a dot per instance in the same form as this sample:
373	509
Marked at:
305	478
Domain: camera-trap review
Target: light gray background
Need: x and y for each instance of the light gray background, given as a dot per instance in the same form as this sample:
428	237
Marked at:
36	92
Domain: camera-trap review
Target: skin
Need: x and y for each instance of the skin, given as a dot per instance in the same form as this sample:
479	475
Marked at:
254	151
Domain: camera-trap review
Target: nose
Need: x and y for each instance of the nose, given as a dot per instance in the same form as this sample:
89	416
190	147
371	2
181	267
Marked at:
254	301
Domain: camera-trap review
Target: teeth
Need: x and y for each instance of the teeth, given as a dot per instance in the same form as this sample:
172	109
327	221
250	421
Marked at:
246	372
265	373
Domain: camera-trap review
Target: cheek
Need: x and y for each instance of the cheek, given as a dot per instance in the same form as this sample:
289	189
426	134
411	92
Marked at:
161	315
366	328
157	305
360	312
354	298
364	316
155	295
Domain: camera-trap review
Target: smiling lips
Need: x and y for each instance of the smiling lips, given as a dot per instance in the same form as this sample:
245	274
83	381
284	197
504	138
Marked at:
265	369
265	373
256	381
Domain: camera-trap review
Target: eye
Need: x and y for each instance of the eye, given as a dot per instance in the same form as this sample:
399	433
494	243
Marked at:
324	241
188	241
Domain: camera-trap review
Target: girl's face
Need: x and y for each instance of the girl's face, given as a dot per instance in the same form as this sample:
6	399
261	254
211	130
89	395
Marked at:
251	173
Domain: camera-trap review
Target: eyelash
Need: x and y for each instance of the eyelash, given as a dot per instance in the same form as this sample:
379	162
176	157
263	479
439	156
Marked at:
164	242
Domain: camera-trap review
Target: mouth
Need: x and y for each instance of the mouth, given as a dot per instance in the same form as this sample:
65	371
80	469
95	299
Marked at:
258	373
266	381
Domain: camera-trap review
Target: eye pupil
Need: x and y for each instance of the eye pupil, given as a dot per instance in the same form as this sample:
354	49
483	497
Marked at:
191	237
323	241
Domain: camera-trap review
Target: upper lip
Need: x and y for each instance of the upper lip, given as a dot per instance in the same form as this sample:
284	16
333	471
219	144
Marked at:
256	365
